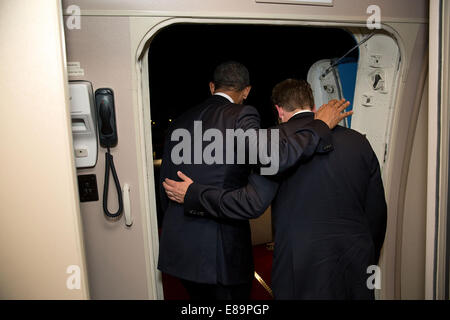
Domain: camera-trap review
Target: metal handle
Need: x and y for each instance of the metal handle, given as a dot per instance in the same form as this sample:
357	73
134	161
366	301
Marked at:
127	205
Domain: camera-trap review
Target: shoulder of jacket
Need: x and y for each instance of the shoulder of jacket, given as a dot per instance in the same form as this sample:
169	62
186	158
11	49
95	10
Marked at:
354	137
245	108
241	110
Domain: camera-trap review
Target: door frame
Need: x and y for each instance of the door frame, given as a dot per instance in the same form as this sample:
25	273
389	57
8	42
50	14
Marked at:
438	222
143	30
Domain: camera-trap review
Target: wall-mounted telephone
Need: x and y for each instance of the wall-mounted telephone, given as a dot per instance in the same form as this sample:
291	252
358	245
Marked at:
107	130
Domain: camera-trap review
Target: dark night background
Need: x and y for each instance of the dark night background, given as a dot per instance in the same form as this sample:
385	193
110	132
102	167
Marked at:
182	59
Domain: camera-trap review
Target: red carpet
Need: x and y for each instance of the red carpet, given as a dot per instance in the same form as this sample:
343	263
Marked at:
174	290
263	266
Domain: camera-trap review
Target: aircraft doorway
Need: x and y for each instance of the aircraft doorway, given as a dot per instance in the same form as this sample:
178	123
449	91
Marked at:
181	61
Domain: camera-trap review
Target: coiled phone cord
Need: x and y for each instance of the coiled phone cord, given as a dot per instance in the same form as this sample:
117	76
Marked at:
109	165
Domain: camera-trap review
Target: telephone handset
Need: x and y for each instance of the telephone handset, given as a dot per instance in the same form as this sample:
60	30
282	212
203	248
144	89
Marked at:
104	99
105	115
107	129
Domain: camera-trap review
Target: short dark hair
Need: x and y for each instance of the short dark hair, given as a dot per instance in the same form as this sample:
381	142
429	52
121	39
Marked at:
292	94
231	75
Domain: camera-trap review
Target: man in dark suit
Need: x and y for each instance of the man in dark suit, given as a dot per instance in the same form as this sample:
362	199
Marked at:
213	257
329	210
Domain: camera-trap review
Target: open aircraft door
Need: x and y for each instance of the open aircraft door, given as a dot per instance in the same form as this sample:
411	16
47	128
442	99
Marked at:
338	83
369	84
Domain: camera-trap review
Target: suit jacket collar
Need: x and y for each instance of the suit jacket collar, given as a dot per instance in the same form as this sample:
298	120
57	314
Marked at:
302	115
222	94
219	99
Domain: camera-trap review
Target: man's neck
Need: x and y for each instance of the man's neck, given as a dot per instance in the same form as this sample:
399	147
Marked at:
297	111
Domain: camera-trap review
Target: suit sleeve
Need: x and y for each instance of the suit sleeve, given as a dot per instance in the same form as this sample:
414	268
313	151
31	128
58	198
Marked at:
279	149
242	204
302	143
248	119
375	206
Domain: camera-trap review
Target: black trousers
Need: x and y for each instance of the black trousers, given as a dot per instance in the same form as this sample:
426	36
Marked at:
209	292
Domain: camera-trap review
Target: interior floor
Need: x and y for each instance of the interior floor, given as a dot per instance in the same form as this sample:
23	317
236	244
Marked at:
261	287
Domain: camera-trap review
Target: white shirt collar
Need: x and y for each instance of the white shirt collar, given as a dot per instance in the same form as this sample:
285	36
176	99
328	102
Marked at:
224	95
301	111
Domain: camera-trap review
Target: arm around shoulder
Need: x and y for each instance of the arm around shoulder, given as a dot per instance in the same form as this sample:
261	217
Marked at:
242	204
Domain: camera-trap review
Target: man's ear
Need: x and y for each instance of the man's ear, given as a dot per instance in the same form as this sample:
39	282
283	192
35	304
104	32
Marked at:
246	91
212	87
314	109
280	111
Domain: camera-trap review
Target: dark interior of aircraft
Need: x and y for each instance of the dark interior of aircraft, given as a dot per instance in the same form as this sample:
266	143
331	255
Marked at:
182	59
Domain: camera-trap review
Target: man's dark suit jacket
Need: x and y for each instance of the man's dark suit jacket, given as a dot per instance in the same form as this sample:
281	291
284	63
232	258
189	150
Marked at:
216	250
329	216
